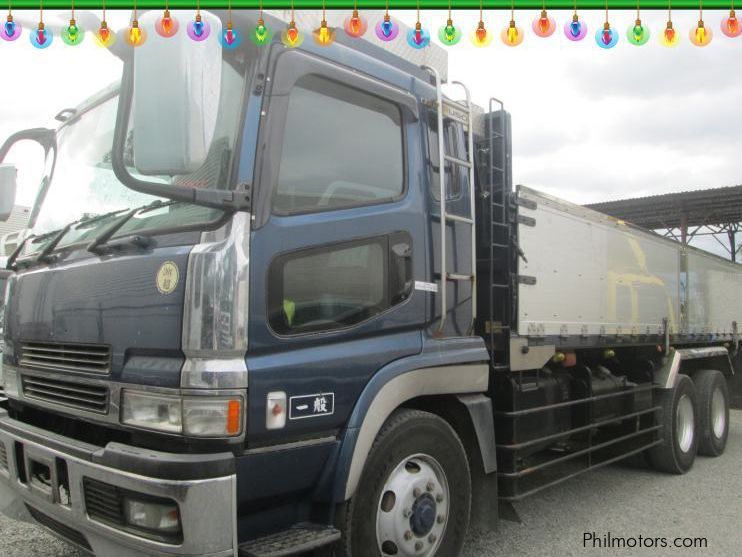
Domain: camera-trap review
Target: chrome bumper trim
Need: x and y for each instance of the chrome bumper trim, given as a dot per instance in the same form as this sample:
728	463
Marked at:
206	506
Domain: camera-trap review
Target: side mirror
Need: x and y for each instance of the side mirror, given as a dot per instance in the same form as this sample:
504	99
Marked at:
175	96
8	187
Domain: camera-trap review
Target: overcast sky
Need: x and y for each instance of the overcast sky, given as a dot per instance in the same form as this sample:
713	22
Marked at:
589	124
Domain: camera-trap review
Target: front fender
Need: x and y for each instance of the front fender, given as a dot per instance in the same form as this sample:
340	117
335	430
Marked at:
451	366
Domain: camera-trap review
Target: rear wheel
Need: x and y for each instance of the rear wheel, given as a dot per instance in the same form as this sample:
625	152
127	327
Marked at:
713	411
414	495
679	433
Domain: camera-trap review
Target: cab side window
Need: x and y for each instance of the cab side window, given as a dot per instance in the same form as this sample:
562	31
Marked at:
342	147
336	286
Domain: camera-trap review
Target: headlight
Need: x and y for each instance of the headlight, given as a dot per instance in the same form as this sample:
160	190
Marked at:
152	411
205	416
197	416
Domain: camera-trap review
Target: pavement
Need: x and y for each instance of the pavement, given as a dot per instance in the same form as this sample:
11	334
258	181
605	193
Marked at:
621	501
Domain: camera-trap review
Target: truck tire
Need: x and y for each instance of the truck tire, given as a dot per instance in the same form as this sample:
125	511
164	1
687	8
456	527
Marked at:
713	411
414	496
679	431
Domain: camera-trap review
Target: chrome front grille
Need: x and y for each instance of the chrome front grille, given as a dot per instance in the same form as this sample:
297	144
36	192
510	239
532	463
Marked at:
88	358
3	457
93	398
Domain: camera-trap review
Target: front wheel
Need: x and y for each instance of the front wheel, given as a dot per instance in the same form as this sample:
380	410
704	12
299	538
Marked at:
414	496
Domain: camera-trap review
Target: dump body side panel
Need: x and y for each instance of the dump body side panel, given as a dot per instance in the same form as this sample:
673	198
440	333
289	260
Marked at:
589	276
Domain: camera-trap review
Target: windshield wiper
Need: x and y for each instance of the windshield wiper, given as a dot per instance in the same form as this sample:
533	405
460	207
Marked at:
10	265
95	218
44	254
98	243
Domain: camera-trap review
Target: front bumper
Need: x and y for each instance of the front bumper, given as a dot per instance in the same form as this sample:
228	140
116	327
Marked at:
203	486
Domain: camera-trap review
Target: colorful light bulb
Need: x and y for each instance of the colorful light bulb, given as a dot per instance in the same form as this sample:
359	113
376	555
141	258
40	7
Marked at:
261	35
575	30
167	26
481	37
669	37
198	29
72	34
701	35
41	37
544	26
731	26
104	36
324	35
418	37
291	37
512	35
448	34
387	30
231	37
638	34
11	30
355	26
606	37
136	36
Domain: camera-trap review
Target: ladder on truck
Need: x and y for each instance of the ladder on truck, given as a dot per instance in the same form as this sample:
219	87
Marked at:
500	249
458	108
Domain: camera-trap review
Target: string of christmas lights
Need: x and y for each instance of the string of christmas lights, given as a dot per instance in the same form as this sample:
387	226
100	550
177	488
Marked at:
355	26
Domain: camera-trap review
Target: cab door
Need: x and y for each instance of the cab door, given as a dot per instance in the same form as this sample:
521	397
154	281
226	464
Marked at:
338	240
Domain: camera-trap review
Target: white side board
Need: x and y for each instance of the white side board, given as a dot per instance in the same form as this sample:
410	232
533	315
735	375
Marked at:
596	275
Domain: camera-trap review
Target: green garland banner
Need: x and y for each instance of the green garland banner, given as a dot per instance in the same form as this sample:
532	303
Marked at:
376	4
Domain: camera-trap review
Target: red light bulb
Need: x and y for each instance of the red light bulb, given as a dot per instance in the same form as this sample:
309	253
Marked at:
543	24
292	33
355	22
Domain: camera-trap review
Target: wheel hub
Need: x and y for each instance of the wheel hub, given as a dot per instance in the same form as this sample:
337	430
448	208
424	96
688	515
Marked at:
424	513
718	413
413	509
685	423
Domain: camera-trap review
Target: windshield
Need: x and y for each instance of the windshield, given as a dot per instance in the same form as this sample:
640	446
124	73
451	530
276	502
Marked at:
84	191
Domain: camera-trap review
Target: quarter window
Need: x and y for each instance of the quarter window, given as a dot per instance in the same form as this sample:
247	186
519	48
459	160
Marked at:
341	148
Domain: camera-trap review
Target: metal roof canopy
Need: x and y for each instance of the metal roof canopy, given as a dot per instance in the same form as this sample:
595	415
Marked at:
711	212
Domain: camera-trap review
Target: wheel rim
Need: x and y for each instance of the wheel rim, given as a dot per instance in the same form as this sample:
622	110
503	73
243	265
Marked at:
685	423
718	413
413	508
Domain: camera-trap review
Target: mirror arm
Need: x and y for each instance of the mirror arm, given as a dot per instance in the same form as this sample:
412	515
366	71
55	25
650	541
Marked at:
237	200
42	136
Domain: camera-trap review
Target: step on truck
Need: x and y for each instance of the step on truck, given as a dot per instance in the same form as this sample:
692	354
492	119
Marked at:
275	300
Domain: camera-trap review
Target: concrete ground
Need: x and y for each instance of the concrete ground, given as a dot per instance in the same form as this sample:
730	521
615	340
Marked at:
622	500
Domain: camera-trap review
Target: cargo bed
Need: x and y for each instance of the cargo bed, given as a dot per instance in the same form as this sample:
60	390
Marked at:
586	278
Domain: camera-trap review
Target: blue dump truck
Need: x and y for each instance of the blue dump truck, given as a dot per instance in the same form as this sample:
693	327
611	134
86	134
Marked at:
275	300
